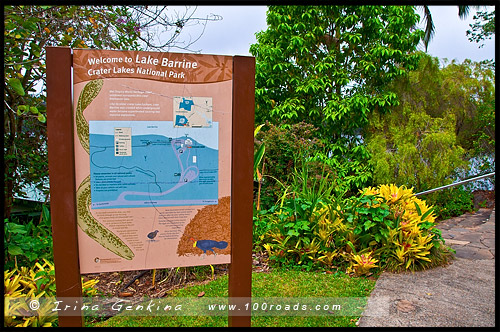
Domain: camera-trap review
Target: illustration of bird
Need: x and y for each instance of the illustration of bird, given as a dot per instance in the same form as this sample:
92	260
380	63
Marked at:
152	235
209	245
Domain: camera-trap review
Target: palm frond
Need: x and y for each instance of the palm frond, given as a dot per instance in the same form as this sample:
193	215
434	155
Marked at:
429	26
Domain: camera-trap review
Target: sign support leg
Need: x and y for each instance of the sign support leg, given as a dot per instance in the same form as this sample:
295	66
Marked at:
240	269
62	179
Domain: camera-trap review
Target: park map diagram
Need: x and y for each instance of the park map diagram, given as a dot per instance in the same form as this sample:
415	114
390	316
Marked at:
152	163
193	112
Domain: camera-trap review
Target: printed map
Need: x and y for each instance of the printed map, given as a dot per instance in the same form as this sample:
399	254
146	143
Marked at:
193	112
152	163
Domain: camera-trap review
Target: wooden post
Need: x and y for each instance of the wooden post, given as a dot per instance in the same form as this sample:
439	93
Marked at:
240	269
62	178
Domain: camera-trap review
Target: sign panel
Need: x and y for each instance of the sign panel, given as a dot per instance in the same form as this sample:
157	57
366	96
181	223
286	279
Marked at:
153	159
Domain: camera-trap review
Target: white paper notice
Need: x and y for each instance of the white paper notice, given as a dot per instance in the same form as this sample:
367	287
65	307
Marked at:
123	141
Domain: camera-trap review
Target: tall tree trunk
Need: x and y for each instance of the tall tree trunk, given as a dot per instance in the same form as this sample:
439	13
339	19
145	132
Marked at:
11	161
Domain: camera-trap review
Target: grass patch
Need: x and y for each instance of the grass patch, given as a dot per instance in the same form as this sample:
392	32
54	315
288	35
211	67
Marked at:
278	283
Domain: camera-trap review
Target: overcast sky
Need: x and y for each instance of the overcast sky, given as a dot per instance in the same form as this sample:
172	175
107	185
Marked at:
234	34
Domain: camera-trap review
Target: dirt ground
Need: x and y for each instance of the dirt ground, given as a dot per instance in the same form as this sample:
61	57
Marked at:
139	283
486	197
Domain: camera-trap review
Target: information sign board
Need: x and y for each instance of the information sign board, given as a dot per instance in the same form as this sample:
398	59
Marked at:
152	159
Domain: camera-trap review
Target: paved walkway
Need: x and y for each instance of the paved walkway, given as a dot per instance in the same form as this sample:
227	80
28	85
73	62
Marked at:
461	294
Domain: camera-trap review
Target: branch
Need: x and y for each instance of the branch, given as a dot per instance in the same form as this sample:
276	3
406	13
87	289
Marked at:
155	22
21	63
8	106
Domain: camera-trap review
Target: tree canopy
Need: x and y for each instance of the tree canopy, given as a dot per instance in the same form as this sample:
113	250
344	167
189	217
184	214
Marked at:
330	66
483	27
444	120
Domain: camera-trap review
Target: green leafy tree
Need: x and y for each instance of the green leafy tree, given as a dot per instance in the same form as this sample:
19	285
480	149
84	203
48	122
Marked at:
435	131
28	30
469	90
483	28
330	66
409	147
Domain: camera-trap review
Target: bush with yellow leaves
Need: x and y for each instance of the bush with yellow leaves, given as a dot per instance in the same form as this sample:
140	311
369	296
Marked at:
34	283
361	264
386	227
404	236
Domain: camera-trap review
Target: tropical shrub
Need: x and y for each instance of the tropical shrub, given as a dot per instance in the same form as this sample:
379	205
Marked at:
26	243
293	231
362	264
286	148
407	238
35	282
454	202
385	227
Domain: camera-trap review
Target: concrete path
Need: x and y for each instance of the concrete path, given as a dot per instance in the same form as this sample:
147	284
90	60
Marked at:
461	294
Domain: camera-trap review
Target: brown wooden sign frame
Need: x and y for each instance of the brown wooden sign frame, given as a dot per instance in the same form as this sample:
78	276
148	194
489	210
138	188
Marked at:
63	187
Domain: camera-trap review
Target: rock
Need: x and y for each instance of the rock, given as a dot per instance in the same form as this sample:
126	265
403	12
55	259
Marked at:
450	242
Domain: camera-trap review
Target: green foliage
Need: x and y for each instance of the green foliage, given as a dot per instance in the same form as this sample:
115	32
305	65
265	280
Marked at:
387	225
411	148
483	28
286	149
330	66
417	144
29	271
36	282
30	283
453	202
468	91
28	31
368	218
26	243
405	238
292	224
444	125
